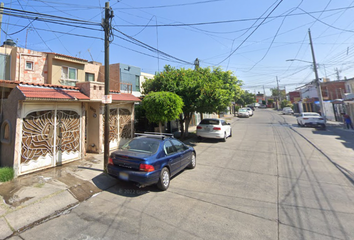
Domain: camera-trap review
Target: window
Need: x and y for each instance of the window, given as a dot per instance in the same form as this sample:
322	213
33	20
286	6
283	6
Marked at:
168	147
69	73
178	145
89	77
137	83
29	65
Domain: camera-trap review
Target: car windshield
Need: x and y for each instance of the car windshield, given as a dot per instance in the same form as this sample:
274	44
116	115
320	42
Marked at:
311	115
242	110
146	145
287	108
210	121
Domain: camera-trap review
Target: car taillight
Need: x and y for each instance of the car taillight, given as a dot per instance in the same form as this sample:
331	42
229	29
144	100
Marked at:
217	128
199	127
321	118
306	118
110	161
146	167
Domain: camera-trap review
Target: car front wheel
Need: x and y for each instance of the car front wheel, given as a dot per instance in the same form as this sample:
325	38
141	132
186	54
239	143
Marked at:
164	181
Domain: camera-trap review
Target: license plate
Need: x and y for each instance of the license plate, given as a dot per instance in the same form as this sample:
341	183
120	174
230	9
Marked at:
124	176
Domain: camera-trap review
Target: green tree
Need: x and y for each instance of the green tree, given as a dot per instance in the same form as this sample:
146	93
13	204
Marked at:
183	82
217	90
202	90
278	93
162	107
286	103
245	98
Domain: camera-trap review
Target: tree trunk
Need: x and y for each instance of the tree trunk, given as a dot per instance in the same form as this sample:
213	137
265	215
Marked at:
187	120
201	116
160	127
181	122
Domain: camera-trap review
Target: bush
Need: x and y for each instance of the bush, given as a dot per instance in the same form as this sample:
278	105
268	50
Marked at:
6	174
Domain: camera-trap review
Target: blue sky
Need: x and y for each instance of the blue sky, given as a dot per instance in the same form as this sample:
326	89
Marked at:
252	38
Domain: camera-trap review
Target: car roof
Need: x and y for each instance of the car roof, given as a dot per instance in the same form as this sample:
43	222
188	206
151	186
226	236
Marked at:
212	119
155	135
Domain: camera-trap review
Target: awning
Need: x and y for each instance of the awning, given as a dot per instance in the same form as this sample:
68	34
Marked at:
52	93
124	97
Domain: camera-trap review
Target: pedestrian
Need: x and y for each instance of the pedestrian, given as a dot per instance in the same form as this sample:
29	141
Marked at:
348	121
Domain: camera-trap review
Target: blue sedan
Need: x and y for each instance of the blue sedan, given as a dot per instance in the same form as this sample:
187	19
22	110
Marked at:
151	159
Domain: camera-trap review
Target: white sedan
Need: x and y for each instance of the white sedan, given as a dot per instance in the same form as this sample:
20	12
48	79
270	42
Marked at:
250	111
311	119
242	112
214	128
288	110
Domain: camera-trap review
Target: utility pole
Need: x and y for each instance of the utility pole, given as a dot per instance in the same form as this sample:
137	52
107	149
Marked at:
319	91
1	11
107	28
196	64
278	98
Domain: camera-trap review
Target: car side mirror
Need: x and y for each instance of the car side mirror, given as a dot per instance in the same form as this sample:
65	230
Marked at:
228	124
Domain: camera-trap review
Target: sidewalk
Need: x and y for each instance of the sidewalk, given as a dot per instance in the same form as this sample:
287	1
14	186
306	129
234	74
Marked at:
37	197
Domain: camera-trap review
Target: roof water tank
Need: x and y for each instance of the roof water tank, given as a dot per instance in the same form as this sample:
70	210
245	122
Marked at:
10	42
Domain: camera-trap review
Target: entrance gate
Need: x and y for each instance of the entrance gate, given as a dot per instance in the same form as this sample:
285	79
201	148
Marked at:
50	138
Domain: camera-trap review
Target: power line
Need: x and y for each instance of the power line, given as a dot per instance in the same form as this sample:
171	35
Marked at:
238	20
148	47
45	17
175	5
251	33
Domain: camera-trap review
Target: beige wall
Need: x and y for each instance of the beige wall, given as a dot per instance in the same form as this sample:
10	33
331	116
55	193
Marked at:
93	67
56	71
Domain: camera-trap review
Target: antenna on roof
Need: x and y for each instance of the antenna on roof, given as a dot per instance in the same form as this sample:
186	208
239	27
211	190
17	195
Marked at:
90	54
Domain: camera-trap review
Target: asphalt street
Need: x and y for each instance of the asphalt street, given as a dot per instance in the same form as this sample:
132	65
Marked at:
271	180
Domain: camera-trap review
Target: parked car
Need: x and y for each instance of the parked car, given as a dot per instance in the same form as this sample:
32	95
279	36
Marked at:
242	112
288	110
214	128
151	159
251	107
250	111
311	119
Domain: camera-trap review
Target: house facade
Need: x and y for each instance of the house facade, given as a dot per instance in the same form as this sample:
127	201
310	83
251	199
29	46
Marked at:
52	111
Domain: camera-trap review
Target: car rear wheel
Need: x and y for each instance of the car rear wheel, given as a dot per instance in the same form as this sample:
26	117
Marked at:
164	181
224	139
193	163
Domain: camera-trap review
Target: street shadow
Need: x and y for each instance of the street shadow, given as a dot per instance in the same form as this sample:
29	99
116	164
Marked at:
116	186
113	185
344	135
